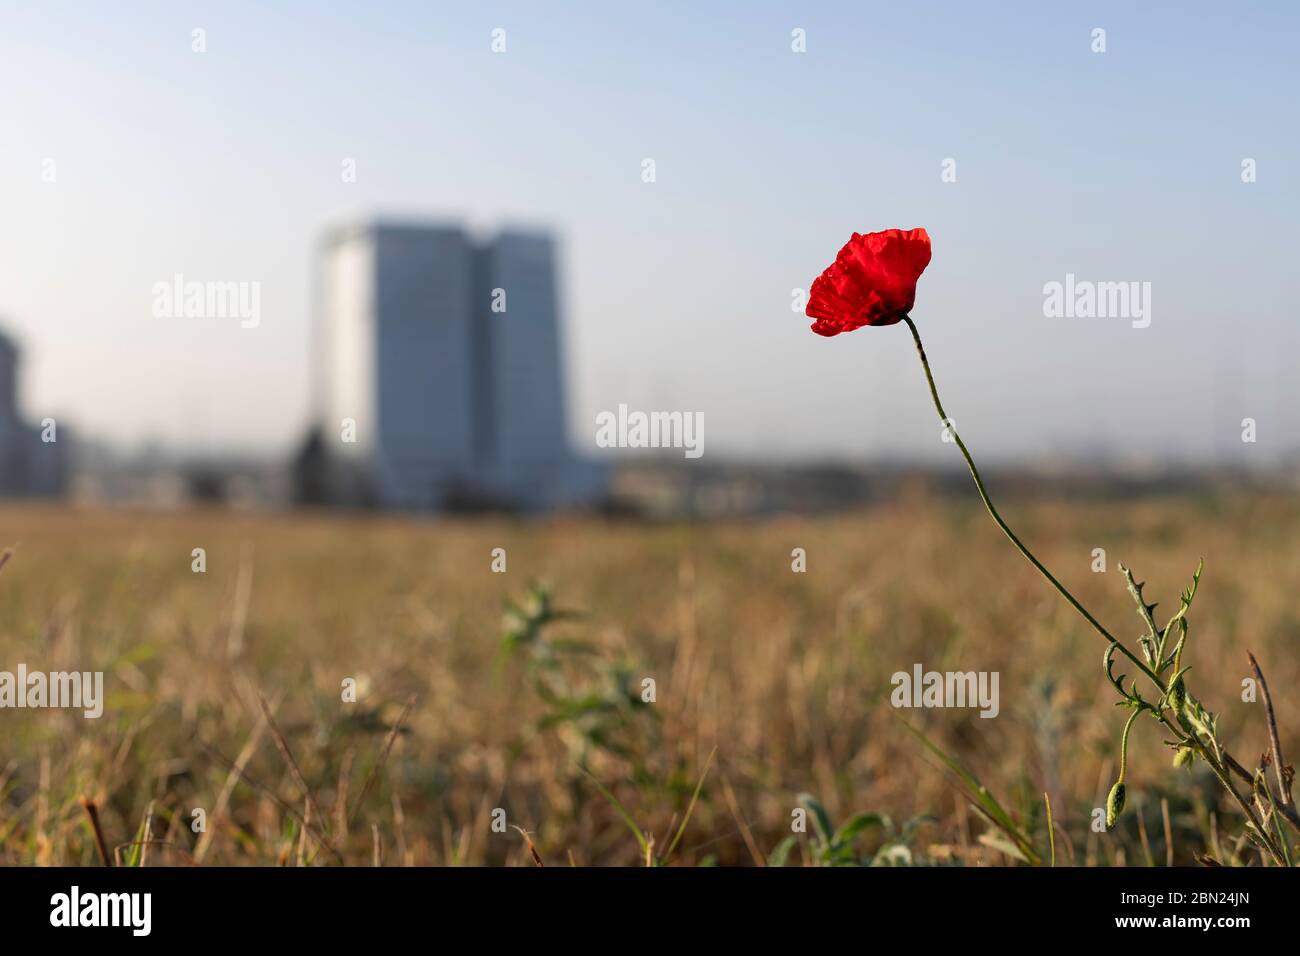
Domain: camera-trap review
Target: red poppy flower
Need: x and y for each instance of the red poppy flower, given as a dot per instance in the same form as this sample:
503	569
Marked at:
871	282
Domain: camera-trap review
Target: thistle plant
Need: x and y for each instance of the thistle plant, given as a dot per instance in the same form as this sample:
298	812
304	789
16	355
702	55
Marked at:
873	283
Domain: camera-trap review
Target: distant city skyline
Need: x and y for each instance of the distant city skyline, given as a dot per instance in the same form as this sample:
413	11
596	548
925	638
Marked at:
132	156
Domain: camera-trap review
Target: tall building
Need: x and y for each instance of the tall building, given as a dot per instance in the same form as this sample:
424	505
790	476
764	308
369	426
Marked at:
525	445
32	459
439	375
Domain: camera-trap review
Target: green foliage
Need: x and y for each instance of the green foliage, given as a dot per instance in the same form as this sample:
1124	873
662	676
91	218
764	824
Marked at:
838	846
645	841
592	703
1017	843
1193	727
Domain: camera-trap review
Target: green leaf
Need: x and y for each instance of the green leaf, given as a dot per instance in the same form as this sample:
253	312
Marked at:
779	855
1152	640
821	819
982	800
690	808
853	828
622	812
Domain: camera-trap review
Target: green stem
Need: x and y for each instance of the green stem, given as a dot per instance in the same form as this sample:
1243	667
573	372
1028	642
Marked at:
993	512
1123	745
1219	761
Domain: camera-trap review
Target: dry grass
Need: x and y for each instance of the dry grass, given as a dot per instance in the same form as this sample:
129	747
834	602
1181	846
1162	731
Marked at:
786	674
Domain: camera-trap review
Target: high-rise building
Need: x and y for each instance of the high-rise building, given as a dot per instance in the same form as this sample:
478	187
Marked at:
526	446
439	375
32	459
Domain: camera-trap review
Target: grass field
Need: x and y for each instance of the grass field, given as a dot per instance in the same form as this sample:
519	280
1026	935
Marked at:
783	677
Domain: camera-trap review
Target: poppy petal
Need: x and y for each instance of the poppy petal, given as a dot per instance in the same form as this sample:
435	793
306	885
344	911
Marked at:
871	282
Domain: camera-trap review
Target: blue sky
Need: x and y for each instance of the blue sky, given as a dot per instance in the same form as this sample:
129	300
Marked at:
1115	166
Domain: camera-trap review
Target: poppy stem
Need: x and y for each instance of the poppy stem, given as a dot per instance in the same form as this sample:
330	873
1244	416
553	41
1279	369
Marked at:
1006	529
1123	745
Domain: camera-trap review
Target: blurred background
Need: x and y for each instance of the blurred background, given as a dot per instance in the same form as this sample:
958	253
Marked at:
132	158
308	285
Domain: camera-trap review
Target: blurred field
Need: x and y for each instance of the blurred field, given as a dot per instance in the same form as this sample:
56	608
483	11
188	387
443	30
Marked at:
785	674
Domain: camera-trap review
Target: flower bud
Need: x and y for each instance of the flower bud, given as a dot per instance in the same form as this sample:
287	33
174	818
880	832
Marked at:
1177	696
1115	804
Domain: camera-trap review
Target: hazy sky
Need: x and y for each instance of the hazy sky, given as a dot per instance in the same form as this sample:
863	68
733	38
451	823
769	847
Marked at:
1117	166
